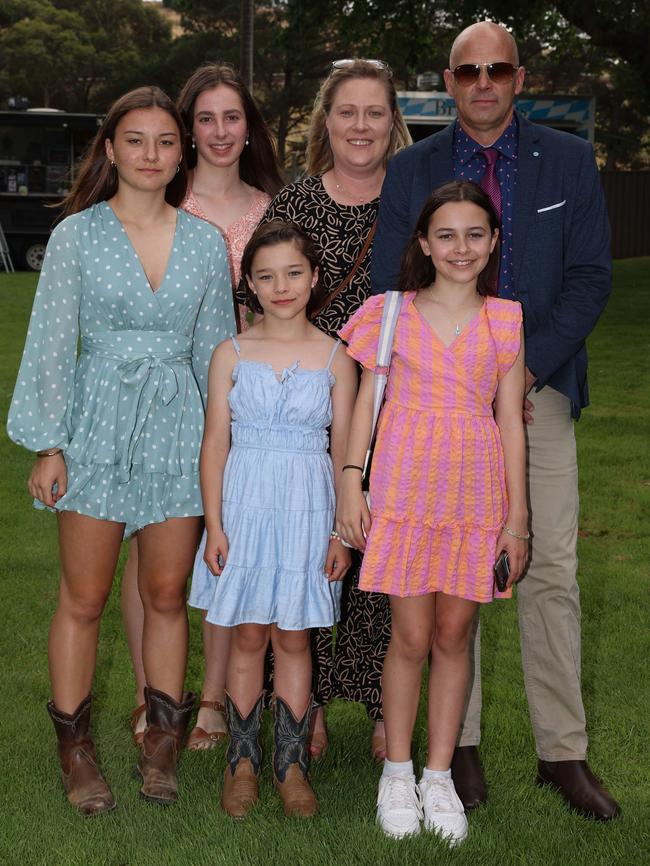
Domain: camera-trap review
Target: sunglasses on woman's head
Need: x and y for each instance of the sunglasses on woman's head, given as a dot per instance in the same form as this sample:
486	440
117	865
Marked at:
349	61
498	73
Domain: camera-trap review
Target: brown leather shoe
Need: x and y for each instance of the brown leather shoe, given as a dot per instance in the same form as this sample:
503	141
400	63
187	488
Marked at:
291	760
297	795
579	787
467	773
241	789
167	722
82	780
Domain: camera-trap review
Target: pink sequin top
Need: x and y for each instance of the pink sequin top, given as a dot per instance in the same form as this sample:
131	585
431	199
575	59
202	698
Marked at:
236	235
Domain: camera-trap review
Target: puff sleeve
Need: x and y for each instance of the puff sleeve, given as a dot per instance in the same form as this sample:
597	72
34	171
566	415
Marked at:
505	319
361	332
39	415
216	319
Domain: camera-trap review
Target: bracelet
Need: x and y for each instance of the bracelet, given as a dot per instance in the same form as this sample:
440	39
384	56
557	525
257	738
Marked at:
514	534
352	466
50	452
334	536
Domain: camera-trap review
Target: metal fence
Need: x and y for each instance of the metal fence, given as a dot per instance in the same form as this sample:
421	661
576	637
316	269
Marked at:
628	201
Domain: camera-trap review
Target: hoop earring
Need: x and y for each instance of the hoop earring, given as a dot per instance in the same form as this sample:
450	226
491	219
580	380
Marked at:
178	168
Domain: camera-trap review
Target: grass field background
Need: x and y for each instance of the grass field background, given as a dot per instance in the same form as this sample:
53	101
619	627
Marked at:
521	823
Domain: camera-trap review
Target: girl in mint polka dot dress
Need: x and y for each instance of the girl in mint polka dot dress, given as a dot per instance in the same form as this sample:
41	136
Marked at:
132	299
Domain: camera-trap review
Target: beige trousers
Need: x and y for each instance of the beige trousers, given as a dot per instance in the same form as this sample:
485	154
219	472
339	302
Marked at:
548	596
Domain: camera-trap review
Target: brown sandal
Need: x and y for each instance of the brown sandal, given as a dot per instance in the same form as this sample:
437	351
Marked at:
138	736
200	739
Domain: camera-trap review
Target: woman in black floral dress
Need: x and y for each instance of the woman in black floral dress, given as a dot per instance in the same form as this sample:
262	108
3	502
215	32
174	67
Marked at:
355	127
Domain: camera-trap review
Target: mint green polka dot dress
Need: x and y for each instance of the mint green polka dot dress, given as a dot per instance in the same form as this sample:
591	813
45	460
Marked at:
116	374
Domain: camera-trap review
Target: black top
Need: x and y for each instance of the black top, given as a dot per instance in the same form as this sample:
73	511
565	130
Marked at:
339	232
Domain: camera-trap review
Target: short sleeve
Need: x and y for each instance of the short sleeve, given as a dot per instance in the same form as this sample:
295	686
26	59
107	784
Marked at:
39	415
361	332
505	318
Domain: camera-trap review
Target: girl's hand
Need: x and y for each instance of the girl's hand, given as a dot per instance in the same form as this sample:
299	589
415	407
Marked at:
338	560
352	515
47	472
216	551
518	552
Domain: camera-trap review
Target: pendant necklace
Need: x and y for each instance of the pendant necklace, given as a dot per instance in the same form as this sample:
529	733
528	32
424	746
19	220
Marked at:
458	329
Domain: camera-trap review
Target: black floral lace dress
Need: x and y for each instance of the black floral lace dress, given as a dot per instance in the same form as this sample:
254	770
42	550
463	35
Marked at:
352	669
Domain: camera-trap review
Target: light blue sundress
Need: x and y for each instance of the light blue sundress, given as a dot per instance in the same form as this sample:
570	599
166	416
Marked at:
278	503
128	409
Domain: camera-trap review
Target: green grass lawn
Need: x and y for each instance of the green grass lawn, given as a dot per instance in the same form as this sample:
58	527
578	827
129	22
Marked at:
521	823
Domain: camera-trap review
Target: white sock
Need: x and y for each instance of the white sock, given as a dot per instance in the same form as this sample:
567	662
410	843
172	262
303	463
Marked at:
432	774
397	768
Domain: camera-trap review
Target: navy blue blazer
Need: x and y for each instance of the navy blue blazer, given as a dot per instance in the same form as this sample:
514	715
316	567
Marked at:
561	242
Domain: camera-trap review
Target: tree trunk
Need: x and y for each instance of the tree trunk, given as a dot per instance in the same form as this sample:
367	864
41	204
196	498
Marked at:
246	29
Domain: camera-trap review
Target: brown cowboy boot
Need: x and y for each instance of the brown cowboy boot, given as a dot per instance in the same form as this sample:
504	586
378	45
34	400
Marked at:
166	724
244	756
82	780
291	761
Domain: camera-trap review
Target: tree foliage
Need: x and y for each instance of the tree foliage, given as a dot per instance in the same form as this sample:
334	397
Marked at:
79	54
67	53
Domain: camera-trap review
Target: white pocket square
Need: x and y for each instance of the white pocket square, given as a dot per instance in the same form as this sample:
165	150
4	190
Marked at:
551	206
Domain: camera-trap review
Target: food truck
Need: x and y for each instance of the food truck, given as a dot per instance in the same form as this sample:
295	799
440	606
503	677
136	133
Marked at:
428	112
39	150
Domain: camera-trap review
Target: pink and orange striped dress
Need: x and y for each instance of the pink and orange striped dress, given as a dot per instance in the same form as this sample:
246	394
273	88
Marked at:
437	483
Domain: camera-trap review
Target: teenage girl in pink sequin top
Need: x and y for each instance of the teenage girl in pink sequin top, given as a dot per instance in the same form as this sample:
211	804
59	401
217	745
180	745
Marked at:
233	174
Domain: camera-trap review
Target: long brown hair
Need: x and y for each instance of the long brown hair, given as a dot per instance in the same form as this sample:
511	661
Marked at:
268	235
418	270
96	179
319	152
258	164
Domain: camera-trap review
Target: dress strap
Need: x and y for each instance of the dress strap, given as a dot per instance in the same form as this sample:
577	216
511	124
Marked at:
332	353
236	345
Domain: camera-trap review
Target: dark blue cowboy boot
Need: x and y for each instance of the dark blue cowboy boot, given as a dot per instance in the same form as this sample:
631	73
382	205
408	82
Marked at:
244	756
291	761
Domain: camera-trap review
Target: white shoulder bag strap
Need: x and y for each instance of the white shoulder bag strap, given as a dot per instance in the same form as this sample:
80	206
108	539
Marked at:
392	306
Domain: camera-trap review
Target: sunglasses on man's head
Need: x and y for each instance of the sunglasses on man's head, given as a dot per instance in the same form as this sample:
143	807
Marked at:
498	73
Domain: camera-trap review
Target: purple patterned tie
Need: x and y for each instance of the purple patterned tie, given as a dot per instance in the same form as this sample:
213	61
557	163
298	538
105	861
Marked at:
490	181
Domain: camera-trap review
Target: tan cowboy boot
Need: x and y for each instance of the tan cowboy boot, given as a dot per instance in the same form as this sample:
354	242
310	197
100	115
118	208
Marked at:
82	780
291	761
167	722
244	755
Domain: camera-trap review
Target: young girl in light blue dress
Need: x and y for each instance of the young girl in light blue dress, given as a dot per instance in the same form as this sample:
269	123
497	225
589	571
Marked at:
270	564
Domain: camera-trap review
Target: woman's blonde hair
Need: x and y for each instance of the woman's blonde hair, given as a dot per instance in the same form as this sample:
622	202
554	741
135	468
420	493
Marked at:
319	151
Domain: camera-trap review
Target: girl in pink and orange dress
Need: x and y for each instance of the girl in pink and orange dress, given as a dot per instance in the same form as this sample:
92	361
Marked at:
447	486
233	174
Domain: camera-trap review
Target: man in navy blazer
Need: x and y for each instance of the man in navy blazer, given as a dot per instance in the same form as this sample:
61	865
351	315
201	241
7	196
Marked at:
556	261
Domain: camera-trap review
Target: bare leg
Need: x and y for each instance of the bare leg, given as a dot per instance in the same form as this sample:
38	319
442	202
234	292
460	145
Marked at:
165	556
448	676
292	650
412	630
216	648
89	553
245	676
133	619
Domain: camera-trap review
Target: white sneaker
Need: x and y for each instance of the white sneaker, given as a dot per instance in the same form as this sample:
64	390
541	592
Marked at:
443	811
399	807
